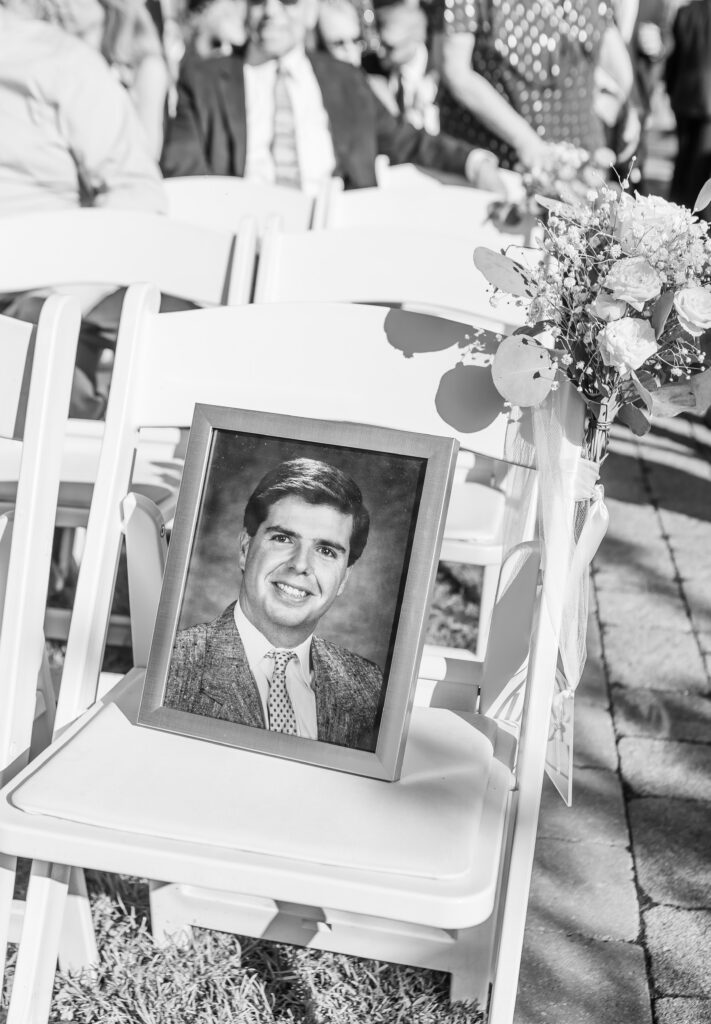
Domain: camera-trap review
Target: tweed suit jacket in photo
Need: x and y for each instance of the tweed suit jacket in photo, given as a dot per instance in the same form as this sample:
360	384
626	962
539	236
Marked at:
209	675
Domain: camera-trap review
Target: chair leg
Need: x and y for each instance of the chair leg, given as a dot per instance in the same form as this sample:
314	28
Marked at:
471	974
489	583
37	956
8	866
166	925
77	942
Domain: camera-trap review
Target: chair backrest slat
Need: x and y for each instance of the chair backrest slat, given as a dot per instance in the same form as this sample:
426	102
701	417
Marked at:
112	247
449	209
327	360
218	201
423	270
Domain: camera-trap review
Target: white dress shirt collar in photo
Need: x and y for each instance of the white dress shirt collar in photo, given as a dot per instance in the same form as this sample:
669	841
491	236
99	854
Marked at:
298	674
314	144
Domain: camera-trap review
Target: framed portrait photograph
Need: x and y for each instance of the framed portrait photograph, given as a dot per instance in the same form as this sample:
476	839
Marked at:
297	587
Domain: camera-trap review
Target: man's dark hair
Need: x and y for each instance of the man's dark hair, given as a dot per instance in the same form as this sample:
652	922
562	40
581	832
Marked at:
317	483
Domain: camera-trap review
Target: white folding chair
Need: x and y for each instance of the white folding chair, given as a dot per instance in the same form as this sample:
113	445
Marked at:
220	201
66	808
110	247
425	271
35	384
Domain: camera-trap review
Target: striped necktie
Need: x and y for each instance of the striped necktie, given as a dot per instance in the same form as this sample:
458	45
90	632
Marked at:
284	150
279	706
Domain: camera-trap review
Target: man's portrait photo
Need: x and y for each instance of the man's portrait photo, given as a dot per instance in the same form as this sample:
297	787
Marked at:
260	662
297	586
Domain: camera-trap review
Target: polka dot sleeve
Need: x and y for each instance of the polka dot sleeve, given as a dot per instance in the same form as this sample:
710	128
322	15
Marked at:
461	16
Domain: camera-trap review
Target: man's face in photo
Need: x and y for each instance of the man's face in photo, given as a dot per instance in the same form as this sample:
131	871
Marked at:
277	26
294	568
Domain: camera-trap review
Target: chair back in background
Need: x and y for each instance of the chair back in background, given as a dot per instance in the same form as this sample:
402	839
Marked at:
219	201
422	270
119	247
452	210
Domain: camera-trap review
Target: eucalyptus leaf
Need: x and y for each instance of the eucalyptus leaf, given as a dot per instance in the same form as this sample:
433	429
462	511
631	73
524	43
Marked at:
704	197
701	383
662	309
673	399
635	418
501	271
523	370
643	393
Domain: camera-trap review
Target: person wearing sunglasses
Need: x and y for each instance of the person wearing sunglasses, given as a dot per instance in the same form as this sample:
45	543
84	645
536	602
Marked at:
281	114
339	31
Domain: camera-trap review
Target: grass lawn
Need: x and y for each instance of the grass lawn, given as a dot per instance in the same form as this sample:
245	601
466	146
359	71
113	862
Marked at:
226	979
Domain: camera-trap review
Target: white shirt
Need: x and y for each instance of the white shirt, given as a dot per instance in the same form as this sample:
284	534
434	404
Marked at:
298	674
419	87
314	145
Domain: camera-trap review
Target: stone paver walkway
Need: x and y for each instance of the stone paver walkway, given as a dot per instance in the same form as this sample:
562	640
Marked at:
619	924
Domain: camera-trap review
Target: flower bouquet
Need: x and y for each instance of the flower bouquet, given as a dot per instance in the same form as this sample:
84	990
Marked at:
617	303
568	174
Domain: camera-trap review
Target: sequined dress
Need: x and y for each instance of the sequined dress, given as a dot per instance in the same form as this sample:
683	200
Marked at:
540	55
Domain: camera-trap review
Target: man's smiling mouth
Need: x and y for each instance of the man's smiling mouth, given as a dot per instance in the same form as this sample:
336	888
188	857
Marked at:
294	592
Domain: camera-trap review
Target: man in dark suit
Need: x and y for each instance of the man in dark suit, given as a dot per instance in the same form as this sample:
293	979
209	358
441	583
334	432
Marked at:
259	663
229	108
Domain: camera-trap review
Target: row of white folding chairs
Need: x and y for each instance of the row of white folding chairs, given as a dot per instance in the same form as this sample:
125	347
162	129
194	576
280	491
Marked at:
406	197
390	266
252	356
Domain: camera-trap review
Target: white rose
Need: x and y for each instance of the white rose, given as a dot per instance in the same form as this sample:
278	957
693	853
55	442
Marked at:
607	308
693	306
633	280
626	344
647	220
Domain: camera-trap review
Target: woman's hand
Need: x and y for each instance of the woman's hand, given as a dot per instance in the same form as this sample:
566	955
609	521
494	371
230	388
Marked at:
534	152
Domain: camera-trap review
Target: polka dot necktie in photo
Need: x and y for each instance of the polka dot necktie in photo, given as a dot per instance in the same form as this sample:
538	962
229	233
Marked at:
279	706
284	152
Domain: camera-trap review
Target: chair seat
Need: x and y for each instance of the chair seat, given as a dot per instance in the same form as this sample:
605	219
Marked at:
423	849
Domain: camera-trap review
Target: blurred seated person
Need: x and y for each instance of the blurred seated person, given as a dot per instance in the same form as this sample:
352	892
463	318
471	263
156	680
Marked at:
130	41
278	114
339	31
126	35
401	73
216	27
71	138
